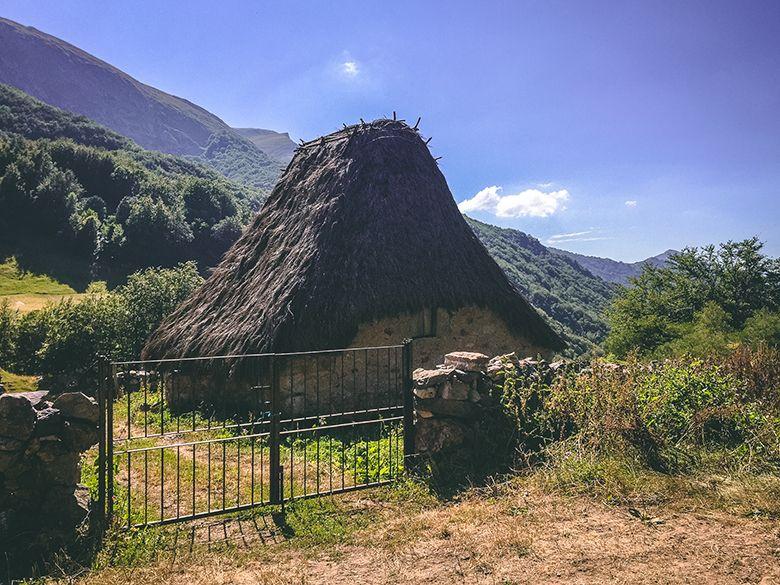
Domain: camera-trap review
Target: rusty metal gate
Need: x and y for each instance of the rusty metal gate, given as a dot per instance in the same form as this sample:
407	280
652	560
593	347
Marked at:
190	438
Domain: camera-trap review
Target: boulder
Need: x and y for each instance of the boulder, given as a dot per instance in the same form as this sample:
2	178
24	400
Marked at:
81	435
17	417
50	422
468	361
434	435
79	406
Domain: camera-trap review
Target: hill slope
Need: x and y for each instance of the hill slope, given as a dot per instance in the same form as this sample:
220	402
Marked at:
614	270
63	75
564	290
78	201
277	145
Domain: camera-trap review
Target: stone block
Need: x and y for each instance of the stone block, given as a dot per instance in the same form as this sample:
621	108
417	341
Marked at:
453	408
468	361
79	406
17	417
455	390
435	435
425	393
425	378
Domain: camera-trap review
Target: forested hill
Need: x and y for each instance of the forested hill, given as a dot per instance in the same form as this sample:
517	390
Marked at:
564	290
81	202
65	76
614	270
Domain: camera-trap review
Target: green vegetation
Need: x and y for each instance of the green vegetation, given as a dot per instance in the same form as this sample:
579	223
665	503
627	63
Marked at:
65	340
18	383
566	292
14	281
596	428
106	205
705	301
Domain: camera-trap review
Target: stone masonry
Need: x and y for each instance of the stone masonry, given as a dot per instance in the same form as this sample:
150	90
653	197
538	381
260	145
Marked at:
42	438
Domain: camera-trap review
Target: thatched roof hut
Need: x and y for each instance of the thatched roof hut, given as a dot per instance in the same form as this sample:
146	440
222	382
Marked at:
360	226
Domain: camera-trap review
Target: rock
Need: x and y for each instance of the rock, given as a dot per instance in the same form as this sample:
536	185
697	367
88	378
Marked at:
59	463
10	450
76	405
454	408
35	398
435	435
425	393
455	390
425	378
474	395
81	435
17	417
467	360
424	413
50	422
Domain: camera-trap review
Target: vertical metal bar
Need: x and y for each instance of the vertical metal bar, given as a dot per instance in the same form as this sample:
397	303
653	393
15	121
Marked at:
208	479
408	405
162	483
111	389
273	436
146	486
129	491
178	481
193	479
102	471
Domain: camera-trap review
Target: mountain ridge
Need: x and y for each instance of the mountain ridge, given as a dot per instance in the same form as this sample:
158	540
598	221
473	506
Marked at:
615	271
46	68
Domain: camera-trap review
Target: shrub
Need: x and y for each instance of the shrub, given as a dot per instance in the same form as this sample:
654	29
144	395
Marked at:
31	329
8	318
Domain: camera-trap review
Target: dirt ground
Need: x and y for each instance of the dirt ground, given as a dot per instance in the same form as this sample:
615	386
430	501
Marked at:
519	538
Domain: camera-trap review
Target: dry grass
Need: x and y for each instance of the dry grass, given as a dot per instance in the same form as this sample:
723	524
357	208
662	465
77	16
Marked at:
25	303
521	531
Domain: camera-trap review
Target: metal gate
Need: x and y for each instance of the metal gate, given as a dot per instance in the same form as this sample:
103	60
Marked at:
191	438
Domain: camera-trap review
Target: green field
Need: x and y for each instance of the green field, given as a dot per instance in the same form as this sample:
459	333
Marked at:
28	292
17	383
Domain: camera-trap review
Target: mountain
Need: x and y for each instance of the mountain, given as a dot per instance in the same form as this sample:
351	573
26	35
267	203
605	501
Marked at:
65	76
78	201
614	270
568	293
277	145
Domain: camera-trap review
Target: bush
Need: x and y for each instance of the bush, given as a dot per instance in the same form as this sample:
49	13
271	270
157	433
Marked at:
151	295
7	333
31	329
667	415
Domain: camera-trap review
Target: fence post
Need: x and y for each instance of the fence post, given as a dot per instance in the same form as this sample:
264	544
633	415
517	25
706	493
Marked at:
409	449
102	471
110	394
273	437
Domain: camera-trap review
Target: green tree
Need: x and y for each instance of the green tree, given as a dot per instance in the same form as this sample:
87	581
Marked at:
152	294
654	310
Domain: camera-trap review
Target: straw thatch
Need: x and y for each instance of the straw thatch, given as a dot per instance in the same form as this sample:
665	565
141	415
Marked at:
360	226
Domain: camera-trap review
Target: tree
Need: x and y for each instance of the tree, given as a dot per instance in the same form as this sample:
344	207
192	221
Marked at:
653	311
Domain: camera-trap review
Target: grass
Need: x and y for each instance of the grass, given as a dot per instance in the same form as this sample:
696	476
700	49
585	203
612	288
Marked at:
30	292
18	382
15	281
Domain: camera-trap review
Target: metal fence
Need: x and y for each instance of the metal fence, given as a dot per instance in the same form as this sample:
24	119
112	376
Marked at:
190	438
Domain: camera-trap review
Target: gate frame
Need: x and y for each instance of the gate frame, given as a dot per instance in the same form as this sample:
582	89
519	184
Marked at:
106	394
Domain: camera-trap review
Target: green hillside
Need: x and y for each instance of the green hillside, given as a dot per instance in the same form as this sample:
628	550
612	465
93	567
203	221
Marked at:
560	287
82	203
45	66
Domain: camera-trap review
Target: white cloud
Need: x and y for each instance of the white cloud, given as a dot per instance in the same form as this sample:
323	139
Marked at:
528	203
591	235
631	203
350	68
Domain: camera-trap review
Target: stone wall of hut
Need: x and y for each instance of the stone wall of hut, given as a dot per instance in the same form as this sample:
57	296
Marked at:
332	383
475	329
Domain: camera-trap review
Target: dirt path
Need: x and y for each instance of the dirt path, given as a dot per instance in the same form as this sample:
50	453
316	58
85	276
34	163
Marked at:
520	539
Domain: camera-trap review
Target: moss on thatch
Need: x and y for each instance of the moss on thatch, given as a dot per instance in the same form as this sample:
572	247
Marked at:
360	226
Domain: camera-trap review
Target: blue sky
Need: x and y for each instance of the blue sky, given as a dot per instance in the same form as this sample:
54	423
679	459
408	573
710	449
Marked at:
617	129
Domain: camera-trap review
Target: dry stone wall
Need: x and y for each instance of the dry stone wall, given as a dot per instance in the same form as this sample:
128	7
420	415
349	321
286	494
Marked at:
42	504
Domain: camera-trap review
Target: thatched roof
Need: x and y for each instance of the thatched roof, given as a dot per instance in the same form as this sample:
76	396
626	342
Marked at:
360	226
